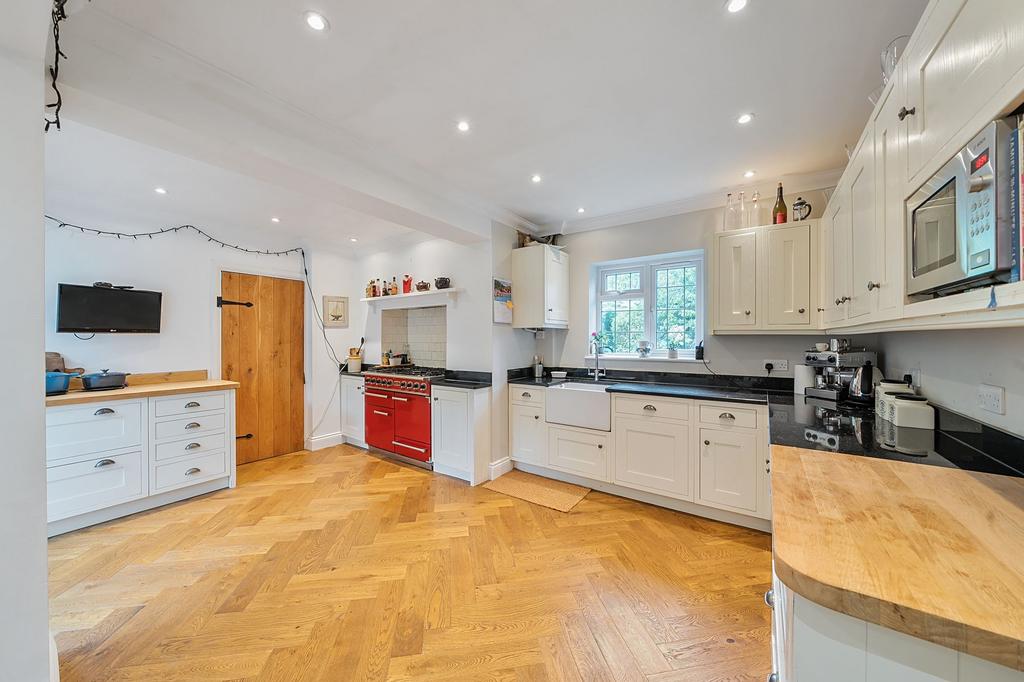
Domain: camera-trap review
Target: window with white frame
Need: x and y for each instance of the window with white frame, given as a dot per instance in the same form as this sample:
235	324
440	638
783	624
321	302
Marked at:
657	299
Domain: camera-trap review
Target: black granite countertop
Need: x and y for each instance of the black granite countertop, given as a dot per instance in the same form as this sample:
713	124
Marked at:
669	390
469	384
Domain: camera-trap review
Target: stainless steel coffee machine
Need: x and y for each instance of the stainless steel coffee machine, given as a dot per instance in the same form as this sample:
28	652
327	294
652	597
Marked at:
835	370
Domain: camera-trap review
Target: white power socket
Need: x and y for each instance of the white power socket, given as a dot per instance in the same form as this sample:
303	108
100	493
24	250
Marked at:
777	365
990	398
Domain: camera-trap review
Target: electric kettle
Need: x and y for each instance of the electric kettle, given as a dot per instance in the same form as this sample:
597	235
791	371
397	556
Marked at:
862	386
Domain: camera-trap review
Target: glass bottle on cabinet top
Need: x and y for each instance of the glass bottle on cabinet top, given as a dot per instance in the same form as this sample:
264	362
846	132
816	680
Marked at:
741	206
755	214
731	219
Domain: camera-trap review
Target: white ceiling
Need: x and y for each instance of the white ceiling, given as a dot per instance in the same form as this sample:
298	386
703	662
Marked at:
618	105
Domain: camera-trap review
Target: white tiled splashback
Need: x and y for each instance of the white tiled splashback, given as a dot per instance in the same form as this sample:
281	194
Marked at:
421	331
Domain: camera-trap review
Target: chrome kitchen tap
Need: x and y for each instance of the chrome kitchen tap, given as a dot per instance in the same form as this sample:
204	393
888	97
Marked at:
597	372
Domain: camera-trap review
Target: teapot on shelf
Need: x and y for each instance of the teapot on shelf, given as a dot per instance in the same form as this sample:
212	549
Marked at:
801	209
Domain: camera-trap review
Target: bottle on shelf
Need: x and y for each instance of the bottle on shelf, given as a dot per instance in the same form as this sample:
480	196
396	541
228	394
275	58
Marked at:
731	219
744	214
756	211
779	211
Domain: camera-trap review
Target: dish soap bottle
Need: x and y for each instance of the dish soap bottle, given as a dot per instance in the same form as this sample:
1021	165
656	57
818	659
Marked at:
538	367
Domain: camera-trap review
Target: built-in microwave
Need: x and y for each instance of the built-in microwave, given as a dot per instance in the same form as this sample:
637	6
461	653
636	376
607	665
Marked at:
958	223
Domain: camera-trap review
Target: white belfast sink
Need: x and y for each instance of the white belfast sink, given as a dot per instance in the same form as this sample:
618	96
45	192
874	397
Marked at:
586	405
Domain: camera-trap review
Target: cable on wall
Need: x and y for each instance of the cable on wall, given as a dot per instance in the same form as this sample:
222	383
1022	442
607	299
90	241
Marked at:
63	224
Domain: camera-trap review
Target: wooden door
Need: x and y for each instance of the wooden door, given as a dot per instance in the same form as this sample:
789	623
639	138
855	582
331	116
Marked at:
262	349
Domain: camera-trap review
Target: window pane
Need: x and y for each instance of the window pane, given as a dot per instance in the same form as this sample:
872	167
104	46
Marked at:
675	315
609	282
622	323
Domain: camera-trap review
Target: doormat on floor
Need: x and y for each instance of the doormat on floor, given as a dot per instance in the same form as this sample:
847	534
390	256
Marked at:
539	490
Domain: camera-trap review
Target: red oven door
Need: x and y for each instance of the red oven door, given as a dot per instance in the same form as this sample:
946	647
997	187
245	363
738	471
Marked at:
380	419
412	426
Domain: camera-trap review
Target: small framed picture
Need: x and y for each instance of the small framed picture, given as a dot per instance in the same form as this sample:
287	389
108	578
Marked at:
336	312
502	301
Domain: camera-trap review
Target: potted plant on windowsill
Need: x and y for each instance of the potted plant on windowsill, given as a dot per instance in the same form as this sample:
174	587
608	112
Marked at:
673	348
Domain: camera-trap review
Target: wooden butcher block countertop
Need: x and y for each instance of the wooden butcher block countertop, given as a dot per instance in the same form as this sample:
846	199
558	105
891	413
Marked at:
140	391
933	552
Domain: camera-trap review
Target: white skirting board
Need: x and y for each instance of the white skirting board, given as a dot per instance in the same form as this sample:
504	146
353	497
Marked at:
133	507
651	498
501	467
356	442
325	441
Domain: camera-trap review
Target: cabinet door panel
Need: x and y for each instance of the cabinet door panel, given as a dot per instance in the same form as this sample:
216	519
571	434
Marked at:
728	466
789	275
890	189
451	430
556	287
737	280
352	409
578	452
529	434
652	455
73	489
838	256
863	258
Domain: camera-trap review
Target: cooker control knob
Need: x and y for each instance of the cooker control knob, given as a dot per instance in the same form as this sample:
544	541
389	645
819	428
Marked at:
423	387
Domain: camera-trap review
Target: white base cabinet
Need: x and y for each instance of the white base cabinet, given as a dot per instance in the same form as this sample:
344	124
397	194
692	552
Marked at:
116	457
353	425
705	455
460	438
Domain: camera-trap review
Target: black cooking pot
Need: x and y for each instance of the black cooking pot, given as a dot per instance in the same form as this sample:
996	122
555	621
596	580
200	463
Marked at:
104	380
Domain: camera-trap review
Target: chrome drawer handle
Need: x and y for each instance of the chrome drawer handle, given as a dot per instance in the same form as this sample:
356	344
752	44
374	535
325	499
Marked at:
727	415
376	395
103	463
395	397
411	447
527	395
102	411
193	470
874	285
650	408
193	425
193	446
769	599
191	403
383	414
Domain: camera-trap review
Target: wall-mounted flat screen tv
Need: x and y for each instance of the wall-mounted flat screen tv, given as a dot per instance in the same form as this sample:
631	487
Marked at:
101	310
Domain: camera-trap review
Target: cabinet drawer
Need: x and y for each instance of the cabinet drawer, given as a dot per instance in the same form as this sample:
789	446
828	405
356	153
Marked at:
94	427
73	489
191	446
189	426
184	404
728	415
189	471
665	408
579	452
526	395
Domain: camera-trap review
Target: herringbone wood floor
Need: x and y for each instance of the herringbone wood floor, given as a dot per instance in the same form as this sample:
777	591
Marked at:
336	565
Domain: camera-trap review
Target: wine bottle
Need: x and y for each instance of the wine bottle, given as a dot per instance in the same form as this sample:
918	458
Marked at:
779	212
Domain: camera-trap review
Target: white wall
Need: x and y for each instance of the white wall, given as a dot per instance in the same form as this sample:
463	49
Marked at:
952	364
187	270
510	348
725	354
23	627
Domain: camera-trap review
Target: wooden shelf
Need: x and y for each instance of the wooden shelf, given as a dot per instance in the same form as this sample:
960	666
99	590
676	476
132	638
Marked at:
415	298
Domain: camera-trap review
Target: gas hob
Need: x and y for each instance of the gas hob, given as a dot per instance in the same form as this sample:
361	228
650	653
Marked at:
403	379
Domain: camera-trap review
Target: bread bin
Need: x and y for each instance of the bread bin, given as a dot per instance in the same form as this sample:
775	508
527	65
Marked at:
912	411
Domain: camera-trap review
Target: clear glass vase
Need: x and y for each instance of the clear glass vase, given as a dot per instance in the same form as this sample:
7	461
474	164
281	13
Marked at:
731	218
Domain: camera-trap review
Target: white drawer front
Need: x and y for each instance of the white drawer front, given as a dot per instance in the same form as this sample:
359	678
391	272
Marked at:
190	426
73	489
191	446
184	404
189	471
94	427
644	406
728	415
579	452
526	395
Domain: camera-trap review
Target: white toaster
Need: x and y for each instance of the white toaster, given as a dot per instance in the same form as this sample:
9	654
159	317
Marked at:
909	410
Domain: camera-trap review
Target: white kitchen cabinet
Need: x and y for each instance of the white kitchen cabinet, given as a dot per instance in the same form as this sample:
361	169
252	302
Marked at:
353	425
540	281
861	277
528	433
653	455
837	256
86	486
579	451
460	432
890	188
87	429
736	266
729	464
789	275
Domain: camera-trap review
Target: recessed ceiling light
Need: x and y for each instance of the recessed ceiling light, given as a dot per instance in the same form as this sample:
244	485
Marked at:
352	239
316	21
463	126
735	5
275	219
748	174
160	190
534	178
744	119
581	210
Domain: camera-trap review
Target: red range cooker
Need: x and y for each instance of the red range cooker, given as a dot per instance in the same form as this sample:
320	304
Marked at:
397	407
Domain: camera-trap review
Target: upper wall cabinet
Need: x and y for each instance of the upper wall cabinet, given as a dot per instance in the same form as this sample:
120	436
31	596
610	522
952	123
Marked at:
765	279
540	287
